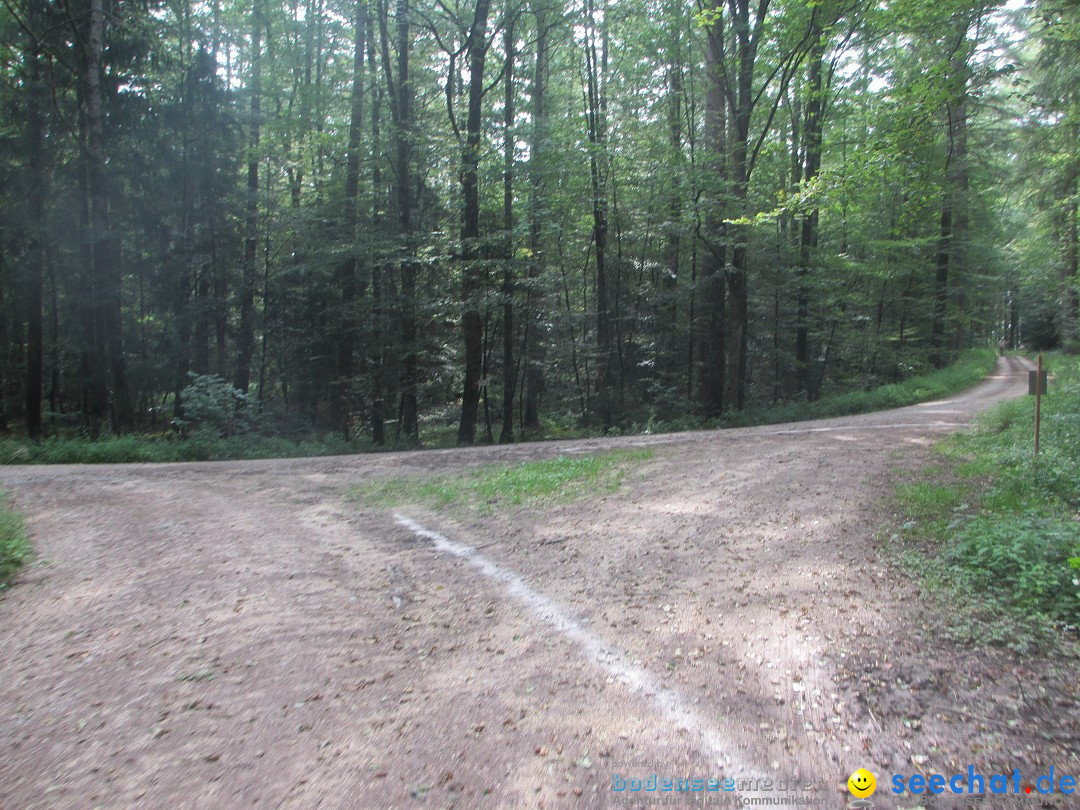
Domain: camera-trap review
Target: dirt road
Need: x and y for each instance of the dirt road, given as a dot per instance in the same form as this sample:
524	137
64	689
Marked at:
237	634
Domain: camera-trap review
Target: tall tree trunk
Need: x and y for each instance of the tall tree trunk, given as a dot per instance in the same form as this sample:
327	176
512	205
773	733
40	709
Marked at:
667	311
596	112
401	96
377	351
714	255
201	353
245	339
736	316
535	329
506	435
1070	243
35	191
953	223
8	338
808	235
107	392
184	278
342	398
471	272
408	424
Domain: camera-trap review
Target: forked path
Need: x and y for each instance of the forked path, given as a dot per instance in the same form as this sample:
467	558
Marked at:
238	634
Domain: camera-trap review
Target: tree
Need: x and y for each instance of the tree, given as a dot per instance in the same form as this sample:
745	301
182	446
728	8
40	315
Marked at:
246	338
36	190
534	331
346	280
506	435
657	215
471	248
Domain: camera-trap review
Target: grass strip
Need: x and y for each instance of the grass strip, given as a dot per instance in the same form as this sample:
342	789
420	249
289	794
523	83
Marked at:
994	532
14	548
495	486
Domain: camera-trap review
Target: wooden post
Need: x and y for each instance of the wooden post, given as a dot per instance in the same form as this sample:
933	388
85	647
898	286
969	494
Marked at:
1038	400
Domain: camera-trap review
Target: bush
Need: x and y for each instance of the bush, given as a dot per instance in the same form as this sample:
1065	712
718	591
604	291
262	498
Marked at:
1027	561
214	406
1010	560
13	546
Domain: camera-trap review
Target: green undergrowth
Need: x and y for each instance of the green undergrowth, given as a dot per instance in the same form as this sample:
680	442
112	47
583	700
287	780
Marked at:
994	532
440	429
972	367
14	548
136	448
495	486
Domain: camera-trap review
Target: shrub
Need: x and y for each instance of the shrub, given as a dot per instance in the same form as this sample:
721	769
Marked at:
216	407
1024	559
13	545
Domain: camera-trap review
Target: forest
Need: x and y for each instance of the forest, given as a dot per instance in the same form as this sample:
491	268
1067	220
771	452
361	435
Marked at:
400	219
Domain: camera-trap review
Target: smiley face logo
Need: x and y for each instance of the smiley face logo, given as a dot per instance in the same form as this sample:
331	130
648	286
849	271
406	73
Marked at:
862	783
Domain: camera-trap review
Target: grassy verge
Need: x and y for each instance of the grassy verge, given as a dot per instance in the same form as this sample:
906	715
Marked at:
993	532
494	486
441	430
13	546
134	448
969	370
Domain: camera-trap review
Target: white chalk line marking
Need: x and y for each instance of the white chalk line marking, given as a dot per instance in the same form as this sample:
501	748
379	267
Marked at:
609	658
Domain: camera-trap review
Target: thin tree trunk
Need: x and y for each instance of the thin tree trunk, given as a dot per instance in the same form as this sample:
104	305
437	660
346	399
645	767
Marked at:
714	255
506	435
535	330
472	276
8	338
953	224
401	95
109	388
377	354
597	132
36	191
808	236
409	420
736	315
667	311
55	400
1070	243
245	339
342	399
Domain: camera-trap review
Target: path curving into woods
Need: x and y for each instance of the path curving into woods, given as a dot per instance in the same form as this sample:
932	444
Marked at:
238	634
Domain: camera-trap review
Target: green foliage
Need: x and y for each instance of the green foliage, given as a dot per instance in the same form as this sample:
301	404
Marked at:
972	367
186	246
213	406
1022	560
924	498
495	486
1010	562
128	449
14	548
213	397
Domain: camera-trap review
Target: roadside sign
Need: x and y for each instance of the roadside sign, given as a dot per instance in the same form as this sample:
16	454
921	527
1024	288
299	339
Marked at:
1039	374
1031	383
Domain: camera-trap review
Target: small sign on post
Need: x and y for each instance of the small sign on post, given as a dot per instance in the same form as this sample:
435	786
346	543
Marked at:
1037	386
1032	375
